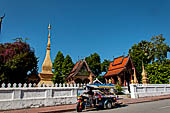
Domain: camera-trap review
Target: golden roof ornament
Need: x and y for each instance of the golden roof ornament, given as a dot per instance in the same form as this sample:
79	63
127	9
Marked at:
144	75
110	81
135	78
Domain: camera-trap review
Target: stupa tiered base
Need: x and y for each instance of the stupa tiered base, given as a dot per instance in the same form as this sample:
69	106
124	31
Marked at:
46	78
145	80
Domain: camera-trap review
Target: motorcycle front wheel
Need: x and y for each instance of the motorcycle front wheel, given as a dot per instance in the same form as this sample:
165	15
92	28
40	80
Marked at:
78	107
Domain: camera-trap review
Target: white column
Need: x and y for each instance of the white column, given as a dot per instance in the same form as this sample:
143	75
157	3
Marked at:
133	91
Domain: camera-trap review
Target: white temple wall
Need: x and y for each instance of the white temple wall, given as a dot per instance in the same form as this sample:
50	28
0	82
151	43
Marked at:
28	97
149	90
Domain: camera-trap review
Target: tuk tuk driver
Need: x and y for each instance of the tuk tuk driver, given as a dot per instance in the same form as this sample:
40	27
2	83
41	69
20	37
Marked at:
90	93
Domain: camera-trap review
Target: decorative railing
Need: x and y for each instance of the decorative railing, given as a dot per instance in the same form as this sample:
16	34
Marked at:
147	90
30	85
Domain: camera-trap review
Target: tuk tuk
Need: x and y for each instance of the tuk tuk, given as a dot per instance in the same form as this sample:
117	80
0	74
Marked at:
98	96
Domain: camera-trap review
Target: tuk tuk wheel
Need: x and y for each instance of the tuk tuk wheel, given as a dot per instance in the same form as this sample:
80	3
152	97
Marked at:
78	108
109	105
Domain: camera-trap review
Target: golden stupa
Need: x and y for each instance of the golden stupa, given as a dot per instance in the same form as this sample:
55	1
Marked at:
46	74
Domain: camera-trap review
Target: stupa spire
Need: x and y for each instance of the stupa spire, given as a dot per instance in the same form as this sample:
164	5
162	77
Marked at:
47	64
49	36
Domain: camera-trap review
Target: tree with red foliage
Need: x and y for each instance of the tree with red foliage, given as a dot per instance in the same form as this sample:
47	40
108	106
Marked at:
17	62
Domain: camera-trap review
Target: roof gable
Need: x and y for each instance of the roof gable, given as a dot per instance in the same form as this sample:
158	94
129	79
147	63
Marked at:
83	70
118	63
117	66
77	68
118	60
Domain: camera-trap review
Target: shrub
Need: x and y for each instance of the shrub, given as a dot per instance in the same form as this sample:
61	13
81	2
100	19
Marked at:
119	89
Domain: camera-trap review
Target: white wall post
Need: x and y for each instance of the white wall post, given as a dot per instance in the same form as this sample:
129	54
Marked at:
133	91
48	93
16	94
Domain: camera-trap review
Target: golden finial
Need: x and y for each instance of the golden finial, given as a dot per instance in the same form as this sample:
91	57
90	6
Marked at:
48	44
49	27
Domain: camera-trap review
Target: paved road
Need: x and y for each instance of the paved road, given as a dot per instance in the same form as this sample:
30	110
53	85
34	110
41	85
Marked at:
161	106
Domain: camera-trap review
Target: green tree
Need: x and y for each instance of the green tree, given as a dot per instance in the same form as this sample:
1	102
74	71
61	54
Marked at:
105	65
158	73
140	52
57	67
94	63
159	48
153	54
67	66
17	62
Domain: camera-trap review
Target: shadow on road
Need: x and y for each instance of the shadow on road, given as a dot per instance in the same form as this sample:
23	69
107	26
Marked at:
115	107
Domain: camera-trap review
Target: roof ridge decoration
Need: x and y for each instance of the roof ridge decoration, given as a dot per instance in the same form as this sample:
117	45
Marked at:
127	61
133	67
87	66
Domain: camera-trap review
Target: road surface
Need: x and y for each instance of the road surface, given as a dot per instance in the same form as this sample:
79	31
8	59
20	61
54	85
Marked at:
161	106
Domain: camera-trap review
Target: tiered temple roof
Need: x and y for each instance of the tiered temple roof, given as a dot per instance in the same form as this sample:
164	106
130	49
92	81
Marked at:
117	66
77	68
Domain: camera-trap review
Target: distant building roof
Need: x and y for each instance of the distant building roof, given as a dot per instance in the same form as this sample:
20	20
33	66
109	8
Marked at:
118	65
77	68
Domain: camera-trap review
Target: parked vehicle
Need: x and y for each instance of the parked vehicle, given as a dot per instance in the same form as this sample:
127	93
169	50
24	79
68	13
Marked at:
97	96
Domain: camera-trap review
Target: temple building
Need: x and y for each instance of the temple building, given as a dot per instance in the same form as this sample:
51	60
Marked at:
80	73
121	71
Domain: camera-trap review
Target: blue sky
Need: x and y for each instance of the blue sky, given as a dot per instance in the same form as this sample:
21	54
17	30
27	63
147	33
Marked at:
82	27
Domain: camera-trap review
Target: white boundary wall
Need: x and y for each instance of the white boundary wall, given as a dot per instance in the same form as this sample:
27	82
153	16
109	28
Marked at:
148	90
27	96
17	96
125	90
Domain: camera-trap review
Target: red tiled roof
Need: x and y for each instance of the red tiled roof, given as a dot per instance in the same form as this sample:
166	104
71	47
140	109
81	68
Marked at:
117	60
77	68
117	66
